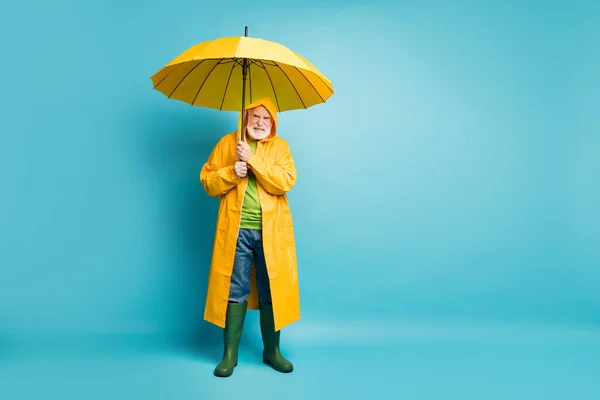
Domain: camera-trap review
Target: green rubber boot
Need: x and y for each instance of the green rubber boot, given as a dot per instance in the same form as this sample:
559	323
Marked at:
234	324
271	354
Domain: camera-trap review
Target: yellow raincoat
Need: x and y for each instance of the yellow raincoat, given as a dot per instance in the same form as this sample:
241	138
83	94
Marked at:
275	172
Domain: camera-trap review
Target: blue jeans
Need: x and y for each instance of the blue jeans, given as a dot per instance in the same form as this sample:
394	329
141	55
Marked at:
249	250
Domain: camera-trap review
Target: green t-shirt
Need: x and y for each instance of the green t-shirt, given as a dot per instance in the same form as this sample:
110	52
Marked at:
251	210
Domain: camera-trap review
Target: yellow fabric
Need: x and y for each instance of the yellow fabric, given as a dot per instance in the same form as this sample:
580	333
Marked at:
275	173
209	74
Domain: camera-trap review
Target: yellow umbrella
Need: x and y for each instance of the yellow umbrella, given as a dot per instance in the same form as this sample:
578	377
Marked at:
227	73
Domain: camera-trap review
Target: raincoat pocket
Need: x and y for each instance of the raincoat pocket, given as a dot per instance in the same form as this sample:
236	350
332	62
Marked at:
286	231
222	226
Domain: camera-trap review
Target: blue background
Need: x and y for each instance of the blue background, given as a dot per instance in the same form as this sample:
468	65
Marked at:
447	210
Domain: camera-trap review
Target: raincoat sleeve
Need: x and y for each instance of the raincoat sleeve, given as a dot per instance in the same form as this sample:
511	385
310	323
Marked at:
216	177
277	178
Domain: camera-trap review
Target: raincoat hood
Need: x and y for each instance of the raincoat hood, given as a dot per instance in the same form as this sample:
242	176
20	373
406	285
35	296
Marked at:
271	108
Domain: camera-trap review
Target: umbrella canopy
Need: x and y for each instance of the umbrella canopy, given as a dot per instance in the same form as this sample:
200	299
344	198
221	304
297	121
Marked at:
227	73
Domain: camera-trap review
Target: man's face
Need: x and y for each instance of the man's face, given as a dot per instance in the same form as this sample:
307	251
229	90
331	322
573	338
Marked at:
259	123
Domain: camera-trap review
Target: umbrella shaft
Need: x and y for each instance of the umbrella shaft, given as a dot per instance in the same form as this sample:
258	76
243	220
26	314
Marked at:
244	72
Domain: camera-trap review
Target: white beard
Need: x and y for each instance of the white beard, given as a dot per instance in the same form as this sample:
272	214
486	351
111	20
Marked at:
258	134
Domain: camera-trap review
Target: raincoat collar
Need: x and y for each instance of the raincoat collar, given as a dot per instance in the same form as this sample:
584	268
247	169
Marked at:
270	106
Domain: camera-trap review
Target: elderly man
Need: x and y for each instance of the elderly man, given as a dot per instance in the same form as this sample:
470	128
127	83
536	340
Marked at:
254	256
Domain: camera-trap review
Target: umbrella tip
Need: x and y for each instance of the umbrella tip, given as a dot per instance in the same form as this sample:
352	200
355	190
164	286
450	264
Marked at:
246	31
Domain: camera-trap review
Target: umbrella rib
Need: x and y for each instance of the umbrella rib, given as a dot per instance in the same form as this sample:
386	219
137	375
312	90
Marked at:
205	79
310	83
226	86
324	83
186	75
272	86
291	83
256	62
167	75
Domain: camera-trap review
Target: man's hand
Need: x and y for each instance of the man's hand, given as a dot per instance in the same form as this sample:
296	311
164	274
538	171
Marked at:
244	152
241	169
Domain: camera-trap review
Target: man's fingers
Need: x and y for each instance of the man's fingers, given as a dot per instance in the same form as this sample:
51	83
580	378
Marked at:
241	168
